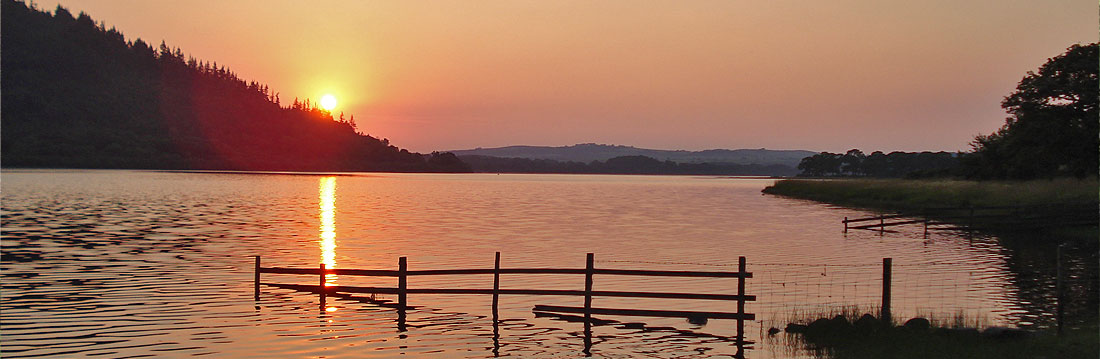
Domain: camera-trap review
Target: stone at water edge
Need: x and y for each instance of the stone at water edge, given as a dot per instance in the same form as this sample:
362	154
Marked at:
697	320
795	328
917	324
839	323
819	326
867	323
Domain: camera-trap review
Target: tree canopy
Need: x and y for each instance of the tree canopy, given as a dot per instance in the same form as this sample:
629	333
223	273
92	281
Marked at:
1052	129
855	163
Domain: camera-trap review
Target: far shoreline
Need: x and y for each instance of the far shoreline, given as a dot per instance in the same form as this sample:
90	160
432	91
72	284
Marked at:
369	173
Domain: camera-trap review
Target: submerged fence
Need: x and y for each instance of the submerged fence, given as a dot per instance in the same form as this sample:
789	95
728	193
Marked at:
590	271
989	217
1017	291
1040	293
1033	292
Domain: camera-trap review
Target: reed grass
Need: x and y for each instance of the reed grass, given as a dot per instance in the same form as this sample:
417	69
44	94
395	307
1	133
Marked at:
852	313
807	315
903	345
945	339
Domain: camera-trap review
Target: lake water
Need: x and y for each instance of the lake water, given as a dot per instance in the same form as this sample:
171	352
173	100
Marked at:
146	263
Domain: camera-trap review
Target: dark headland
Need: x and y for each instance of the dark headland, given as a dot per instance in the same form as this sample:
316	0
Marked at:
80	95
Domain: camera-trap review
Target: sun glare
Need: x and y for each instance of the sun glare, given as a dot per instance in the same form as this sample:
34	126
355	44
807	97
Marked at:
328	102
328	226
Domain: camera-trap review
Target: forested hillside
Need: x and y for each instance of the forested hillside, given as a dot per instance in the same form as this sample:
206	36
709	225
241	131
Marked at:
78	94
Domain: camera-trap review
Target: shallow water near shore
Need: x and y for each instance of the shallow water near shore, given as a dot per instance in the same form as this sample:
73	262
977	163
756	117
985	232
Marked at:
146	263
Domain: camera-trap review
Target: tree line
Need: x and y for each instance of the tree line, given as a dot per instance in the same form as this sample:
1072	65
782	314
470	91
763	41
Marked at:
621	165
78	94
894	164
1053	130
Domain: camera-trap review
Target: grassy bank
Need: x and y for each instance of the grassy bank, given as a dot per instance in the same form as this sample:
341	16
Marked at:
954	343
913	195
844	336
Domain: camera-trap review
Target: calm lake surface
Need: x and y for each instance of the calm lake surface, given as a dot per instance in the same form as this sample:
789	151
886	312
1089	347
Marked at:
145	263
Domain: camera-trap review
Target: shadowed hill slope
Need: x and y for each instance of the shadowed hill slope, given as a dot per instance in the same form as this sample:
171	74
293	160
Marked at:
77	94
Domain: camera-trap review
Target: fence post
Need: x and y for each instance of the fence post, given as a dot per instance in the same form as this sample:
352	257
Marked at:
402	282
321	285
881	224
926	228
256	282
496	285
845	224
589	269
886	263
741	301
1060	289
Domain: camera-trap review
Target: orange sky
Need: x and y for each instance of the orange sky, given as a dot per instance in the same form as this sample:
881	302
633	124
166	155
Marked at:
816	75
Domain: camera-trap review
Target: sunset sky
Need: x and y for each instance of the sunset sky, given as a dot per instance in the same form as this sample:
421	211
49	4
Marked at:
816	75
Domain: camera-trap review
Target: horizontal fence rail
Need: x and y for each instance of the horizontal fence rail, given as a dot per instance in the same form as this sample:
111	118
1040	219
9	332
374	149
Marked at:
556	292
646	313
969	218
875	218
402	290
393	273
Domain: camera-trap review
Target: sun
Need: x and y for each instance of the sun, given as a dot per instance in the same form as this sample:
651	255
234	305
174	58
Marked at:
328	102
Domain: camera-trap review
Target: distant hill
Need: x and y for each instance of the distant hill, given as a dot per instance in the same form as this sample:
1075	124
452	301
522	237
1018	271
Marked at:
622	165
79	95
588	152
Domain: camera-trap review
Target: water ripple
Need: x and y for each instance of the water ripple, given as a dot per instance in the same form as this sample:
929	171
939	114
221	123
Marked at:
153	264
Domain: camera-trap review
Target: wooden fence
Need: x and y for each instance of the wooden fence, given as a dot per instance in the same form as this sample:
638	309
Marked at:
589	271
998	217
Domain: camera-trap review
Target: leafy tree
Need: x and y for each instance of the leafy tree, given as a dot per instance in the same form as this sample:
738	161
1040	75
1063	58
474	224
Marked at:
1052	126
821	164
895	164
876	164
447	161
852	162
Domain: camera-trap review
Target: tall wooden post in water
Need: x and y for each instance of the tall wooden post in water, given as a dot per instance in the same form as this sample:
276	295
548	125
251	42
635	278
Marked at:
321	285
256	280
496	316
741	302
496	286
402	292
589	270
402	282
886	264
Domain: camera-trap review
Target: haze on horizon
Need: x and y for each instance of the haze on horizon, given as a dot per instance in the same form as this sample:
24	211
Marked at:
822	76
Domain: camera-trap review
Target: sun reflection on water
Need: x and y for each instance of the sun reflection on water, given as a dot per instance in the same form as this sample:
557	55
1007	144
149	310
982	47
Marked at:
328	226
